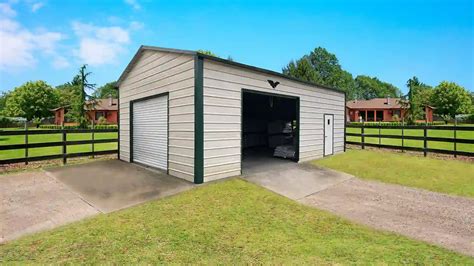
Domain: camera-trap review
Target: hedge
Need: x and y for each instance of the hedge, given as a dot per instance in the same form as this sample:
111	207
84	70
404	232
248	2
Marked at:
77	127
434	123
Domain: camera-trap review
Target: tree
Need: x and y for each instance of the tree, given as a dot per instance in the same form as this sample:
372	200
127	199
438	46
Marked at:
371	87
322	67
3	101
78	112
451	99
419	96
105	91
68	92
30	100
206	52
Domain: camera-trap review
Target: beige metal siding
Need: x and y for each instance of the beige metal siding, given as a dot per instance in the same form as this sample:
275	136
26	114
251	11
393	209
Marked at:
222	110
155	73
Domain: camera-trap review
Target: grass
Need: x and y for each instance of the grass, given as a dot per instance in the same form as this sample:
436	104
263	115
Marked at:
416	143
19	139
228	222
445	176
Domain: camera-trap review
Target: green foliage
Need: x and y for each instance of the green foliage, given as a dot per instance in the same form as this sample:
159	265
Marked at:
102	120
105	91
451	99
78	127
36	121
32	99
77	112
206	52
3	101
322	67
6	122
419	96
371	87
395	123
68	92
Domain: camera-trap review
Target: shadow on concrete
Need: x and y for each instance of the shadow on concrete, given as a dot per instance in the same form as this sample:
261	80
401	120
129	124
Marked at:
112	185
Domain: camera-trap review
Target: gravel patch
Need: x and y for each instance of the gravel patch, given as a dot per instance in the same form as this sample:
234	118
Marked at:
436	218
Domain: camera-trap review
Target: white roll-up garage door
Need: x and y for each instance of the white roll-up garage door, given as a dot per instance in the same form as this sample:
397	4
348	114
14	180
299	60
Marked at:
150	132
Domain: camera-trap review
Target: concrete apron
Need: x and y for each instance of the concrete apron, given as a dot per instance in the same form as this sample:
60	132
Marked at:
293	180
113	185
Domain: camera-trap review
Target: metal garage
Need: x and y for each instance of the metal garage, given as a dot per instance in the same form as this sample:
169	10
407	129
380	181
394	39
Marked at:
201	118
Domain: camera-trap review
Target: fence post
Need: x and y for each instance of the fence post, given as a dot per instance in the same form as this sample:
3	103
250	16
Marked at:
93	138
455	138
380	139
425	142
64	147
362	136
26	142
403	137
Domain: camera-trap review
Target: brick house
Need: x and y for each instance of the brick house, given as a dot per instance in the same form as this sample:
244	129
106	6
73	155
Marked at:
380	110
95	109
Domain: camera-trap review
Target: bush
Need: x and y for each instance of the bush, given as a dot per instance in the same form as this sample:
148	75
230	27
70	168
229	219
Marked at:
102	121
6	122
78	127
435	123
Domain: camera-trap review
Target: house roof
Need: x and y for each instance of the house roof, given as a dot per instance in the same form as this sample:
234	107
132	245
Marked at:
217	59
376	103
98	105
103	104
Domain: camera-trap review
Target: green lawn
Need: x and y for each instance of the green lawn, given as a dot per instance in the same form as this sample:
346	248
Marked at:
416	143
446	176
10	154
229	222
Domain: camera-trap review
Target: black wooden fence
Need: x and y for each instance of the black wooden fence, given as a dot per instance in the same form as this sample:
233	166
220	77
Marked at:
64	143
425	138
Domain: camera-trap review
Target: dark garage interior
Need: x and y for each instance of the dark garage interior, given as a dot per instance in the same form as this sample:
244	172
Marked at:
269	129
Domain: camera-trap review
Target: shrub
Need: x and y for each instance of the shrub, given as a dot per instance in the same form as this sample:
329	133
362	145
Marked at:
78	127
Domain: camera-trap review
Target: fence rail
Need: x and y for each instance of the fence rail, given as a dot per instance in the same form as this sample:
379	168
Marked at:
64	143
425	138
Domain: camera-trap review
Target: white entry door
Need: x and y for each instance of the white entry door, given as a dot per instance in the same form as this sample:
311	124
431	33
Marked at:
328	134
150	132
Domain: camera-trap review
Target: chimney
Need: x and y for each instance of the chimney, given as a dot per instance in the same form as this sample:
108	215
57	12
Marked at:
110	100
388	100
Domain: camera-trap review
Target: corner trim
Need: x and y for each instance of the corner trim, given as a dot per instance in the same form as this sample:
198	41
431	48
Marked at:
198	119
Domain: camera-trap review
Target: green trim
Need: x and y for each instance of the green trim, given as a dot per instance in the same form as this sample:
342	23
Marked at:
198	120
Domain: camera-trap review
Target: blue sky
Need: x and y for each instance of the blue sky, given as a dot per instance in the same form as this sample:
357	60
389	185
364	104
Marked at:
392	40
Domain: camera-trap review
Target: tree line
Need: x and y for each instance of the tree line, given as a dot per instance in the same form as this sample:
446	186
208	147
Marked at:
35	99
322	67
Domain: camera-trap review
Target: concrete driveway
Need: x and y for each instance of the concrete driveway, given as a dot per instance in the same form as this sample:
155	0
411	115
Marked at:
111	185
40	200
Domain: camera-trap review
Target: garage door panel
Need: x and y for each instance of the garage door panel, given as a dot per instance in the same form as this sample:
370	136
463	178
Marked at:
150	132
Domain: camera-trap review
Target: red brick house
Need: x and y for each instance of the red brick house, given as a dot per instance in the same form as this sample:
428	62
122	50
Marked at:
380	109
95	109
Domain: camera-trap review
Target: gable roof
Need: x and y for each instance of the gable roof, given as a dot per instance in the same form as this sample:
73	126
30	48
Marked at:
376	103
217	59
97	104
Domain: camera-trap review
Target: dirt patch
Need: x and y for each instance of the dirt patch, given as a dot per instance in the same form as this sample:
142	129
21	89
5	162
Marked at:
440	219
21	167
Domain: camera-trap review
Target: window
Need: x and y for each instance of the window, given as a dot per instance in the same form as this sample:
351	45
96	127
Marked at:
396	112
98	115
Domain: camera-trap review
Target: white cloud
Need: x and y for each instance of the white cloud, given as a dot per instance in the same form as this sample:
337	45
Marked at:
21	47
7	10
136	25
36	6
60	62
100	45
133	3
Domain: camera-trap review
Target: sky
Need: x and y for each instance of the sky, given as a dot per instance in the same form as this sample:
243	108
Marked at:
391	40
